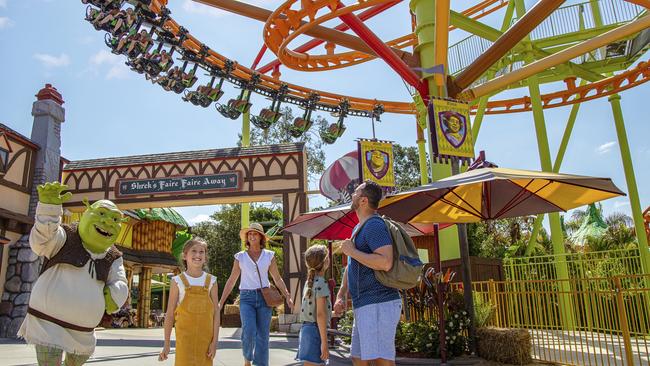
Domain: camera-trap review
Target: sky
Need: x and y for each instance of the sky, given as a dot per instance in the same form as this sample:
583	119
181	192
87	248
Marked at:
112	111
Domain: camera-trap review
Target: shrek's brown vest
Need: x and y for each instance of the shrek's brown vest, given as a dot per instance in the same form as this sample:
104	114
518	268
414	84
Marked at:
74	253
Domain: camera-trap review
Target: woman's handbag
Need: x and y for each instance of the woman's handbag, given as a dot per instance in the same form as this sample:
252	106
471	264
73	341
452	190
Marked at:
271	295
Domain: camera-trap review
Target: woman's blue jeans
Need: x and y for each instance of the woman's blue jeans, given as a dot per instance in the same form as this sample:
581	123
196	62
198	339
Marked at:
256	326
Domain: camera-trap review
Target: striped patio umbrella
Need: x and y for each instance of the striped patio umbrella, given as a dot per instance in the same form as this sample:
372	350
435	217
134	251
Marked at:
496	193
336	223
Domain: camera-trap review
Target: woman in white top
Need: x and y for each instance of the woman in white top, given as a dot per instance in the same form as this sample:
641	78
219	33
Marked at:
255	314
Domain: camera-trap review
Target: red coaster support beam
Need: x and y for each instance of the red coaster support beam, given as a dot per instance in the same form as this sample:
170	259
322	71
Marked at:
385	53
367	14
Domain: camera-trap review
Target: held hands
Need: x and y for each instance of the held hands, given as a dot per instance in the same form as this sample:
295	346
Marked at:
212	350
289	301
111	306
339	306
164	353
50	193
324	350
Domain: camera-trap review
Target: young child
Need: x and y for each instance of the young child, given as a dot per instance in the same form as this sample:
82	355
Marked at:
193	310
316	309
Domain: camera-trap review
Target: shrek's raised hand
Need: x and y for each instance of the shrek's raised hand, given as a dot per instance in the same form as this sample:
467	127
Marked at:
82	276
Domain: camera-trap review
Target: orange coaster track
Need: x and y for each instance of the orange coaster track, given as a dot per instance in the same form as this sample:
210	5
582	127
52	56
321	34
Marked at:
286	24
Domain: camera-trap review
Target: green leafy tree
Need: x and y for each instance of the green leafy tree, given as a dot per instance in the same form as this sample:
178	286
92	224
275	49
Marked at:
222	236
505	238
407	167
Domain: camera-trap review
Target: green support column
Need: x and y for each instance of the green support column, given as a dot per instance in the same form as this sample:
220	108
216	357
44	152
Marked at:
425	13
245	142
422	156
556	168
557	237
478	118
630	180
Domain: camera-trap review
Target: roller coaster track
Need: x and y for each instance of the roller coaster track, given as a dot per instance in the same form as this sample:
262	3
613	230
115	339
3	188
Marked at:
328	101
367	107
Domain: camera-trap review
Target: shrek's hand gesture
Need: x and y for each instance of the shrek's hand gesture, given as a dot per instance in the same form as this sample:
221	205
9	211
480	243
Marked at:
51	193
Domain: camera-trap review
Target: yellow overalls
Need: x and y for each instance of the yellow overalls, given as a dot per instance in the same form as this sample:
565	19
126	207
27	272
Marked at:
194	325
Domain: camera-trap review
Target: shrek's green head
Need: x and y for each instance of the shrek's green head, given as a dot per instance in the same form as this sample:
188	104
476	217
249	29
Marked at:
100	225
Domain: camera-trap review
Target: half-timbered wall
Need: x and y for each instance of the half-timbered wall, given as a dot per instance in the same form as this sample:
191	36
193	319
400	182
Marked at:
15	185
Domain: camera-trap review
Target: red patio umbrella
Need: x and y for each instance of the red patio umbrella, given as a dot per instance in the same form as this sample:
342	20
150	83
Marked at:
336	223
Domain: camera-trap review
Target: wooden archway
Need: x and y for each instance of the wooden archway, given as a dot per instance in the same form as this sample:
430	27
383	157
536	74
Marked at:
205	177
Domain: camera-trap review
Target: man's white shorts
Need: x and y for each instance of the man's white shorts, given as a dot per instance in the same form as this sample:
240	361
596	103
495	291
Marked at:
373	331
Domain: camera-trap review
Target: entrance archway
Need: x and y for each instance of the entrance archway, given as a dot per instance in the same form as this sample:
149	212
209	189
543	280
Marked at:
205	177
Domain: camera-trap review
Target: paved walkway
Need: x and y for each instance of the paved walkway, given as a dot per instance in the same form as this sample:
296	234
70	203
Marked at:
131	347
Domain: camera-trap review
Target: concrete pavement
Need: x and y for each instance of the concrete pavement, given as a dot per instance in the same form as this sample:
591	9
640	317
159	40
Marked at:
140	347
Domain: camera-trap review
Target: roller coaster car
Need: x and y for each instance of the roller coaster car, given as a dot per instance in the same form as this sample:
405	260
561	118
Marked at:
153	67
136	64
112	42
234	108
266	118
92	13
300	126
203	96
330	134
105	4
184	82
110	26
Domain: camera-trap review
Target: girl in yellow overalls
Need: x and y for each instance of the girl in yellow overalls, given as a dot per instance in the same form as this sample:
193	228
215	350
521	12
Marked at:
193	310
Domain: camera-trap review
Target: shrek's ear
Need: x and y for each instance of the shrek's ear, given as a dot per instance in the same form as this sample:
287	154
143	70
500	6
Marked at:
125	220
85	202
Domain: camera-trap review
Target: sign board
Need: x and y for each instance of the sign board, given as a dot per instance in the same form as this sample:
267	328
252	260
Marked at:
376	162
226	182
449	129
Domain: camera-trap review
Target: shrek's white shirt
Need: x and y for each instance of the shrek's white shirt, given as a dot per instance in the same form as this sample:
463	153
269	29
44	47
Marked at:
66	292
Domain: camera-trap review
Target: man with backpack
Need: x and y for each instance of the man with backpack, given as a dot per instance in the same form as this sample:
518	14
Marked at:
377	308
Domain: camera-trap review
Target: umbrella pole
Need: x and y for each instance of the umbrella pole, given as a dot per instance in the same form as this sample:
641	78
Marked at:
439	288
467	273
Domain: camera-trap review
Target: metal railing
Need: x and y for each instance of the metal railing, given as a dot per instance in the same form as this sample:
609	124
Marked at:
610	322
563	21
580	265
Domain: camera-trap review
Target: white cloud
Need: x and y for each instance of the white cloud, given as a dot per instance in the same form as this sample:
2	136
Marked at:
116	67
5	22
606	147
51	61
619	204
199	218
192	7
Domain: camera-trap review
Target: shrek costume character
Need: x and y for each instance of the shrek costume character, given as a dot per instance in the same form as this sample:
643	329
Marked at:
82	276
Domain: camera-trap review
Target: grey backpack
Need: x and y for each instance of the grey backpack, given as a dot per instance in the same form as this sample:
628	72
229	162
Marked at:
407	266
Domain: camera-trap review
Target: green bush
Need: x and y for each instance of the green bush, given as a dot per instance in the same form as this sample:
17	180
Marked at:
419	337
484	311
456	325
345	325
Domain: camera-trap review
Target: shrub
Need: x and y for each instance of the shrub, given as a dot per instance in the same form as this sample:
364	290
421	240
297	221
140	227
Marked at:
484	311
417	339
345	325
456	325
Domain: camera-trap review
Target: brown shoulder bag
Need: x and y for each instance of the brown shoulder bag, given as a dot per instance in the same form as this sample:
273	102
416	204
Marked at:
271	295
